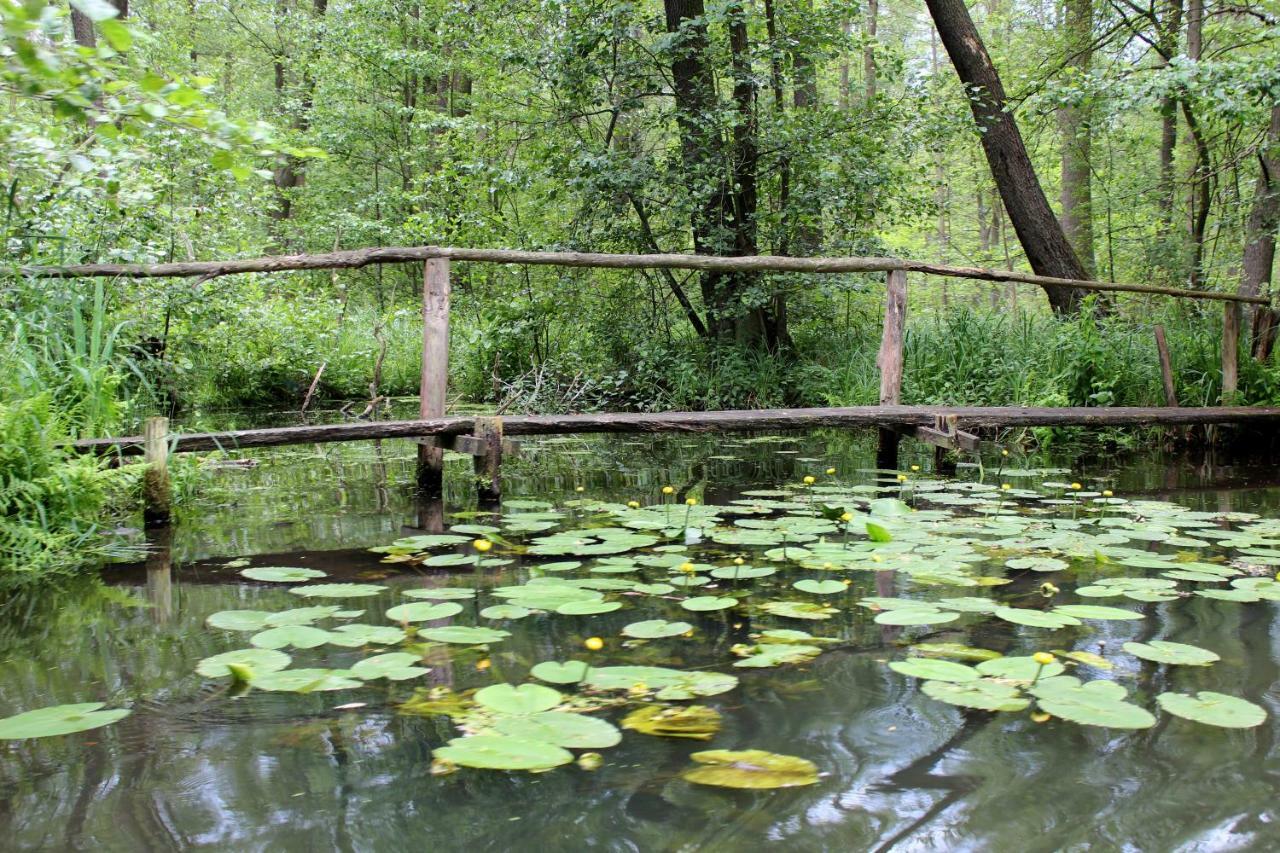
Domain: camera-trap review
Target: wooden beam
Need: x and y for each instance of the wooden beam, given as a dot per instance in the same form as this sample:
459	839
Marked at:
434	383
155	479
488	465
889	360
1166	369
357	258
742	420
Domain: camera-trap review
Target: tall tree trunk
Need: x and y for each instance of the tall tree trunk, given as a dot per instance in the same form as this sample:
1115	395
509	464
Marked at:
847	28
1075	126
1200	192
805	100
1042	238
288	174
1168	34
1260	238
868	50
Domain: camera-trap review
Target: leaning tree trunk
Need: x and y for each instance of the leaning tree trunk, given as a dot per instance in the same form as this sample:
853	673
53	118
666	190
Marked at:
1260	238
1041	235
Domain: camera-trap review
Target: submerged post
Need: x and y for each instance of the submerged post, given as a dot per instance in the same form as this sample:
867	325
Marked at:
155	479
890	361
1230	350
488	460
435	370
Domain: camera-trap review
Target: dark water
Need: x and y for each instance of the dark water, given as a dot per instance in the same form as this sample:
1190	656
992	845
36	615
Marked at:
192	767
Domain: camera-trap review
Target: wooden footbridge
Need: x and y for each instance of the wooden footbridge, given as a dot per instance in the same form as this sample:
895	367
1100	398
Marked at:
487	438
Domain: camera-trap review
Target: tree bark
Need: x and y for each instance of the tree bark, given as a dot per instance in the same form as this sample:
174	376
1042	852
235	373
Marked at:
1075	126
1042	238
1260	239
868	50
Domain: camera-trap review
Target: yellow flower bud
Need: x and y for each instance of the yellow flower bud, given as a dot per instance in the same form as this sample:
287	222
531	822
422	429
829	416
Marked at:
1040	717
595	644
808	481
690	501
1106	493
1043	658
483	664
828	565
668	490
915	467
1004	452
687	568
738	561
1076	486
902	478
590	760
846	582
633	504
1048	589
482	545
1005	487
846	516
579	488
876	558
830	471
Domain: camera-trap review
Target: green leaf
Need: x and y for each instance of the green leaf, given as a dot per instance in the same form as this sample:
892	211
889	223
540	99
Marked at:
306	680
587	608
58	720
393	666
1019	668
557	672
708	602
1096	611
1035	618
750	769
697	722
954	650
500	752
522	700
338	590
281	574
505	611
423	612
117	34
464	635
984	694
295	636
96	11
255	660
356	635
878	532
239	620
575	731
653	629
799	609
1162	651
1095	703
1214	709
915	616
937	670
441	593
820	587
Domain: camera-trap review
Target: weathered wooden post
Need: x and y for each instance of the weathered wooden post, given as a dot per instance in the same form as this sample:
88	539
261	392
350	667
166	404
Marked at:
155	479
1230	351
1166	368
488	459
890	361
159	564
435	370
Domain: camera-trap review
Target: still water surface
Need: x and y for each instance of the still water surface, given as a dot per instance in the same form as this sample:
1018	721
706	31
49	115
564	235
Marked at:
195	768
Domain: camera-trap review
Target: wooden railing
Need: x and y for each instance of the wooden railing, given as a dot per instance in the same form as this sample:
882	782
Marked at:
937	425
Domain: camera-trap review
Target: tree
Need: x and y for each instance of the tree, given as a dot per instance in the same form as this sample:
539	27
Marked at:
1260	237
1041	235
1076	129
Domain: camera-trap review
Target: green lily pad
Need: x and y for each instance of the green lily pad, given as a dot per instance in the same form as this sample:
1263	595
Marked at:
500	752
239	620
670	683
520	701
251	661
59	720
440	593
958	651
937	670
306	680
742	573
558	672
799	609
1094	703
338	590
587	608
1214	709
575	731
290	636
820	587
505	611
653	629
423	612
304	615
708	602
355	635
1019	668
1162	651
984	694
464	635
751	769
1095	611
1035	618
915	616
281	574
393	666
777	654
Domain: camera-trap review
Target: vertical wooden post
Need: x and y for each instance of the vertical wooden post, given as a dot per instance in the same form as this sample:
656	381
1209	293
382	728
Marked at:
488	463
890	361
435	370
155	479
1230	351
160	573
1166	368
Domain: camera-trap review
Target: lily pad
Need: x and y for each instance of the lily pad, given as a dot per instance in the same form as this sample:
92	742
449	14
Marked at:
1162	651
557	672
238	620
393	666
915	616
440	593
1094	703
356	635
1214	709
750	768
1019	668
464	635
984	694
505	611
250	662
59	720
575	731
587	607
696	722
798	609
290	636
936	670
820	587
1035	618
520	701
653	629
281	574
306	680
708	602
423	612
501	752
1096	611
338	590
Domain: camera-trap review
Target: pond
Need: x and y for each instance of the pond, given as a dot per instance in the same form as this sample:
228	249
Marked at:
878	626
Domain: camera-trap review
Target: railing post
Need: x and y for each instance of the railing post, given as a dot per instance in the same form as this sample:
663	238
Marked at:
488	461
435	370
1230	351
890	361
155	479
1166	368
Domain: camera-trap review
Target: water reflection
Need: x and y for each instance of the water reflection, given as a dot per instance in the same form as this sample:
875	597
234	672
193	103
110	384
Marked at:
193	767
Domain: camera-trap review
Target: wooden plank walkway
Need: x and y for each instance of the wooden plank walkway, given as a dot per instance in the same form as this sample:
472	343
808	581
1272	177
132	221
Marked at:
723	421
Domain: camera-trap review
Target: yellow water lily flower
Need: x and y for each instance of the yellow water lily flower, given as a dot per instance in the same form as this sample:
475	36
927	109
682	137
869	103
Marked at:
809	481
595	644
482	545
830	471
690	501
668	490
1043	658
